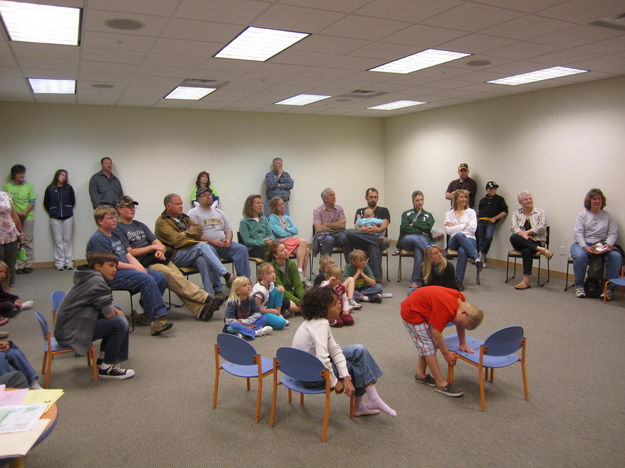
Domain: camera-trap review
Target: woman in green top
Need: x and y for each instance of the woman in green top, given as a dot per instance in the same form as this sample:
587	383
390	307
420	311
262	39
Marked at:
415	233
23	195
203	180
287	275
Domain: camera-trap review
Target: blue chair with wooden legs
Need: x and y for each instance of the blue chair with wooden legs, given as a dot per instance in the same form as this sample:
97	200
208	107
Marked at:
305	374
241	360
497	351
52	348
55	298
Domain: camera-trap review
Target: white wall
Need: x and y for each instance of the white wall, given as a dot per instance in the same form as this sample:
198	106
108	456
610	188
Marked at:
158	151
556	143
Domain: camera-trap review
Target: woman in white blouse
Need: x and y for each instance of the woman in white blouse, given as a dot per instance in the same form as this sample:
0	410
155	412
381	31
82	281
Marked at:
460	225
528	235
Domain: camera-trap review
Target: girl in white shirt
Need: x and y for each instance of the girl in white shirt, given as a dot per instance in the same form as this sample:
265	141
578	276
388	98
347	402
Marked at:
460	225
356	369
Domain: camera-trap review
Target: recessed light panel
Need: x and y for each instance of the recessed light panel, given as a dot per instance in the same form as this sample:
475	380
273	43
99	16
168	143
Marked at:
259	44
52	86
397	105
538	75
303	99
189	93
30	22
427	58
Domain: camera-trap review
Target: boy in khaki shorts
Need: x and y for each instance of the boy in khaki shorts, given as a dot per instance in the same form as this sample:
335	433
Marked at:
425	313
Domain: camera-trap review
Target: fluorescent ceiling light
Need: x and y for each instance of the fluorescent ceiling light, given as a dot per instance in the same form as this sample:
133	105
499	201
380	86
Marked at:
302	99
30	22
427	58
538	75
191	93
52	86
259	44
397	105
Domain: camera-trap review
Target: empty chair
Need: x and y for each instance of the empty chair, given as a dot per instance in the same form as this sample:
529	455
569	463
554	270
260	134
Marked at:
51	348
305	374
55	298
498	350
241	360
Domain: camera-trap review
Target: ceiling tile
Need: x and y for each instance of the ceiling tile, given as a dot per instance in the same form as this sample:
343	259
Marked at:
522	50
585	11
167	72
101	40
577	36
607	46
346	6
423	37
527	27
302	58
242	12
472	17
383	51
599	63
364	27
148	7
170	60
184	47
292	18
29	49
201	31
113	56
476	43
48	63
95	20
406	10
107	67
328	44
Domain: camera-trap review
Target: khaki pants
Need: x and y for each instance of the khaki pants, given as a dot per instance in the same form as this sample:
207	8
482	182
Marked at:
191	295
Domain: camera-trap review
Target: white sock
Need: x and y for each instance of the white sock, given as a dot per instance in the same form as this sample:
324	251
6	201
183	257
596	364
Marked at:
375	402
34	385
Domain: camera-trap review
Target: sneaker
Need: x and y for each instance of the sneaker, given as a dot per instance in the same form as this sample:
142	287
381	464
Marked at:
287	323
428	380
354	305
207	311
160	325
376	298
608	297
59	268
579	292
447	390
460	285
69	267
365	298
140	319
479	264
27	305
115	372
266	330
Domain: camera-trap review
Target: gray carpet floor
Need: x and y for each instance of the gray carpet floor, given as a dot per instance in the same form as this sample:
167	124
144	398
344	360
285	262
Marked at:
163	416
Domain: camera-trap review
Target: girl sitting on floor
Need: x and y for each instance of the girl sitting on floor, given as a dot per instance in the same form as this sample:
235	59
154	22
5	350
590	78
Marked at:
242	315
357	370
270	298
287	275
333	273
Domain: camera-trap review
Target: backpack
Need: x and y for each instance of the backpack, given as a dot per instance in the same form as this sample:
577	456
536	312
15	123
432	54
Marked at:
593	287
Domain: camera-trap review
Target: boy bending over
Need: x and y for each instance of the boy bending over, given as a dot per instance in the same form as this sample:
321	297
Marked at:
425	313
87	314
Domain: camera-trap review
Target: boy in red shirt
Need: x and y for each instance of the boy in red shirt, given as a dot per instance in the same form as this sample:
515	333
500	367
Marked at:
425	313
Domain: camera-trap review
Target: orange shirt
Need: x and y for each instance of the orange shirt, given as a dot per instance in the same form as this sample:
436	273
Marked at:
434	305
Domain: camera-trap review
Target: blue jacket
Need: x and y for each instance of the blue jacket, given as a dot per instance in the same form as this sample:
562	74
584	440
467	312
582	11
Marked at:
59	202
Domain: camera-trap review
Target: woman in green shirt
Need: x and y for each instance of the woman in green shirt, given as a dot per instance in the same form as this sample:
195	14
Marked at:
287	275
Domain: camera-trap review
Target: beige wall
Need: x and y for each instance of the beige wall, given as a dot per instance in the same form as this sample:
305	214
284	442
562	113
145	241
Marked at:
556	143
157	151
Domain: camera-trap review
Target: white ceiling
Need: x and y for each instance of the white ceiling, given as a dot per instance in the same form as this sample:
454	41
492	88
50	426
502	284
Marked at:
347	38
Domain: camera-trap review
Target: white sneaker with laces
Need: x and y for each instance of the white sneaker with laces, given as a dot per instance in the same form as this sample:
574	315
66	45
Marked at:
26	305
266	330
579	292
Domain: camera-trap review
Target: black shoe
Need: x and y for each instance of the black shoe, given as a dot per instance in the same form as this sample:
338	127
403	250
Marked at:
460	285
115	372
479	264
376	298
218	299
27	271
447	390
229	279
207	311
19	271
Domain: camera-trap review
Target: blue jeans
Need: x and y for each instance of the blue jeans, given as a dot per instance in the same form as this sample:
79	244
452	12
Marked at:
203	257
236	327
485	233
368	291
362	367
332	240
114	334
14	359
151	285
418	243
580	263
370	243
466	248
238	253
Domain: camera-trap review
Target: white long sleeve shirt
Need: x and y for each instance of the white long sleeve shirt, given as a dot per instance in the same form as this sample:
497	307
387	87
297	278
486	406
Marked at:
467	224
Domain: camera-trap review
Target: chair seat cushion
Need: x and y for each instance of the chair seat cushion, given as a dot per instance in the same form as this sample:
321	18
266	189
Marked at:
618	281
406	253
248	371
489	361
518	254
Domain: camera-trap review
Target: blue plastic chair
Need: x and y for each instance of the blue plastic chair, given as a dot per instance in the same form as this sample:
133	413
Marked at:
498	350
51	348
56	297
302	371
241	360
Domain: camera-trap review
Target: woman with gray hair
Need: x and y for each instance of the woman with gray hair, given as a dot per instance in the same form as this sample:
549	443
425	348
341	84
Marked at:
528	235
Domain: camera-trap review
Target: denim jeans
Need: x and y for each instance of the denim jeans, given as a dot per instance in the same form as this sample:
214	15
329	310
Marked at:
417	243
466	248
114	334
368	291
332	240
369	243
485	233
580	263
362	367
239	256
14	359
203	257
151	285
237	327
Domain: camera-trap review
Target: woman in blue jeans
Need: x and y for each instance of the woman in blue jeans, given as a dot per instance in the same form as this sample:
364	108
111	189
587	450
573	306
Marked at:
460	225
415	234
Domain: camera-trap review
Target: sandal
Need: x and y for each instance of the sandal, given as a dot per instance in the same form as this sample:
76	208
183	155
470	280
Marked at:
523	285
396	253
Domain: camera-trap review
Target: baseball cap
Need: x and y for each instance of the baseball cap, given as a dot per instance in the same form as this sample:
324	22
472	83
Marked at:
125	200
463	166
491	184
